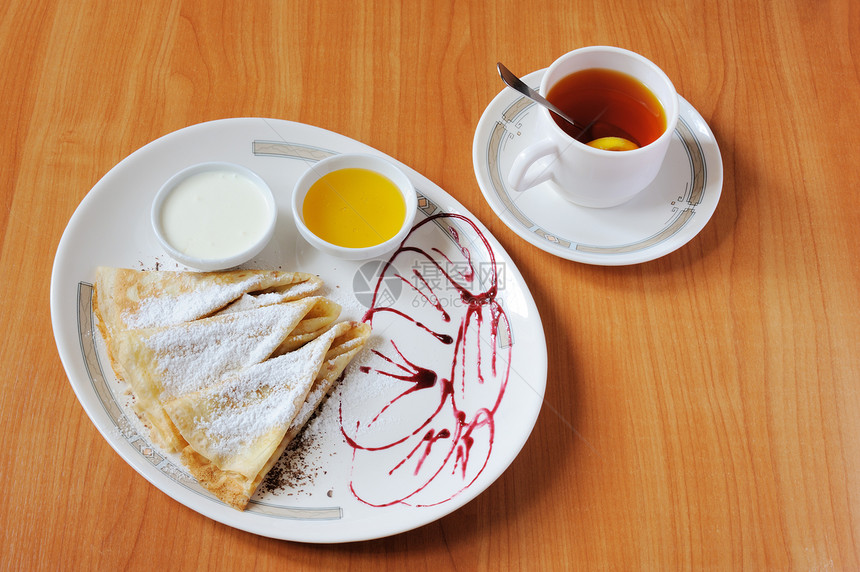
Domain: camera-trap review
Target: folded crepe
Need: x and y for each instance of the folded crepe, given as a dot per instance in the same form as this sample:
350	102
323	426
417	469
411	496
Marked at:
127	299
166	363
225	367
237	428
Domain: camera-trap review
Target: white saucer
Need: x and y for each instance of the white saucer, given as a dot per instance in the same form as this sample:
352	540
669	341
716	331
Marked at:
660	219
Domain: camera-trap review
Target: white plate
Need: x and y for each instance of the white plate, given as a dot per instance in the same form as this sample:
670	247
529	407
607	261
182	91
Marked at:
462	424
662	218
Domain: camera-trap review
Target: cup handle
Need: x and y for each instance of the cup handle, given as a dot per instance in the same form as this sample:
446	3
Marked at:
522	176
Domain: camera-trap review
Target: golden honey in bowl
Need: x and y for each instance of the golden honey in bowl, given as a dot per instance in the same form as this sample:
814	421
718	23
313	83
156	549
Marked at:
354	208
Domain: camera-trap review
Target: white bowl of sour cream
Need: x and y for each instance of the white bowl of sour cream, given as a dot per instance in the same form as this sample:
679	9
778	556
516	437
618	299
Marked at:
213	216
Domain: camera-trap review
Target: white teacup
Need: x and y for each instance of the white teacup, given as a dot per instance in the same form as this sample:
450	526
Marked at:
586	175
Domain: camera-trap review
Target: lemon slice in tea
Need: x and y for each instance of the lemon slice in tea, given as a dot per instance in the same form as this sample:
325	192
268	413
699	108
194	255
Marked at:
613	144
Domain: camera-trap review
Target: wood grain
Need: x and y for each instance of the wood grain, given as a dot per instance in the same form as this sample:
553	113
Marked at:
702	410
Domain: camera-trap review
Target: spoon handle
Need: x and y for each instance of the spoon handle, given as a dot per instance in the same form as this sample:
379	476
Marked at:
513	81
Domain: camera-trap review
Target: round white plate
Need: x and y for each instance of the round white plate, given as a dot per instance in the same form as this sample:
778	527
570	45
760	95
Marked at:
660	219
427	416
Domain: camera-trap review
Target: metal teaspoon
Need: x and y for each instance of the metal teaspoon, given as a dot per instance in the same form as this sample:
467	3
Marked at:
513	81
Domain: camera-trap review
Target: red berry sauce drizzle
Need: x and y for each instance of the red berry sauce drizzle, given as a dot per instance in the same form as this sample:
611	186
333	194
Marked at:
429	457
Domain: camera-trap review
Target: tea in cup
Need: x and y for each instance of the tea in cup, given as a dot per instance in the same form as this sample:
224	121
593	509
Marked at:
626	110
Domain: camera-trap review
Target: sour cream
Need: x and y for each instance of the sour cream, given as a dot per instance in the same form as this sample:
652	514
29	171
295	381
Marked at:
214	216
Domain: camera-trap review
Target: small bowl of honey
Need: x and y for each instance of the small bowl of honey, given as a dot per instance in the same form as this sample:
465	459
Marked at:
354	206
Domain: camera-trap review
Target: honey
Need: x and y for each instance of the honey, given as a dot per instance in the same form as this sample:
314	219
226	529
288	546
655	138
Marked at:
354	208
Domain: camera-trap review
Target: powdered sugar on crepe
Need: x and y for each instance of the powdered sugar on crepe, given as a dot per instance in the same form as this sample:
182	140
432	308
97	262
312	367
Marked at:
192	356
292	292
249	302
171	310
248	404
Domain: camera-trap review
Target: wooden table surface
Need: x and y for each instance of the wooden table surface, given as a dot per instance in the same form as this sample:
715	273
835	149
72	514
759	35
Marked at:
702	410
